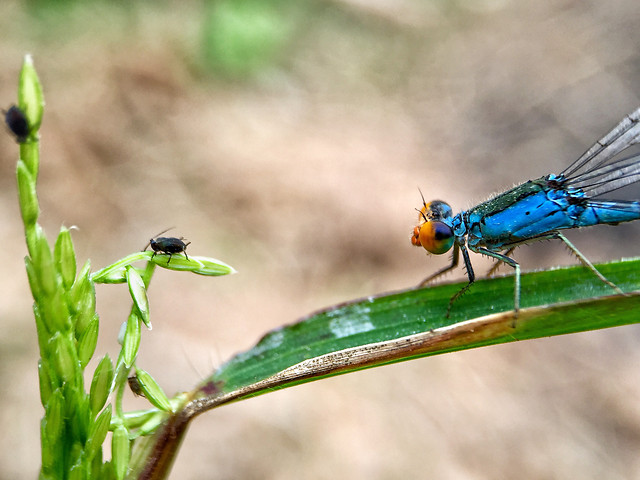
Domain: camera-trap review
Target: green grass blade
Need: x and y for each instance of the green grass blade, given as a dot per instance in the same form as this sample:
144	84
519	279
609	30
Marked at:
411	324
401	326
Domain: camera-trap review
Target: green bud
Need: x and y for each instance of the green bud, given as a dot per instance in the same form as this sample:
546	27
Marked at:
81	286
78	469
78	411
83	299
65	258
213	267
54	417
122	331
45	380
32	276
99	469
57	312
41	330
88	341
51	454
98	432
138	293
120	451
103	470
199	265
63	356
83	320
152	391
28	197
42	259
101	384
131	341
30	97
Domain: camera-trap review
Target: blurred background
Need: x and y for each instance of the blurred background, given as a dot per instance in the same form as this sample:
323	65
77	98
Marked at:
289	139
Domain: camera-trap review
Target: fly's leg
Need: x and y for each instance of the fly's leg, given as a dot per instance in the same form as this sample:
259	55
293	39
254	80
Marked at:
470	274
454	263
585	261
497	265
512	263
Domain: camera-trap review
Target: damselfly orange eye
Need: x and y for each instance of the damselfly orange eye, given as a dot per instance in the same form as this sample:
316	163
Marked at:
435	237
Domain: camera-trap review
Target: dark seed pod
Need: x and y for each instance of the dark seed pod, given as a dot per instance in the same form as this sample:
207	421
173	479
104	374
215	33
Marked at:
17	122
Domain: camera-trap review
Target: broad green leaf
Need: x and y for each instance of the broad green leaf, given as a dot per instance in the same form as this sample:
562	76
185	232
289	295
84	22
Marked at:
412	323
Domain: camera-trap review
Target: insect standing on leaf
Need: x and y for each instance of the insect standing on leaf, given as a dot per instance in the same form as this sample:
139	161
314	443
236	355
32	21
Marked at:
168	245
538	210
17	122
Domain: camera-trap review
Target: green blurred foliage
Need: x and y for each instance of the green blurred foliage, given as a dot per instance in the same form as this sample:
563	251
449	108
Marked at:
236	39
241	38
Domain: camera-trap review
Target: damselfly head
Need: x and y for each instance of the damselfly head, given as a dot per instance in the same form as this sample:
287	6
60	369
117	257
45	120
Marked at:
435	210
432	234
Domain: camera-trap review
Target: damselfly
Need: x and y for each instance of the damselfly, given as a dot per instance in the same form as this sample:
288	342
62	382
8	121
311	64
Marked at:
537	209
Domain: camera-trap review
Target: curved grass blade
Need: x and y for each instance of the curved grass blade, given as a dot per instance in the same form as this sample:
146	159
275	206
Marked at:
402	326
412	323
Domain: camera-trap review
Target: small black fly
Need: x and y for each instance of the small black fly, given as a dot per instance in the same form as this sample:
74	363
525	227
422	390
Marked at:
17	122
168	245
134	385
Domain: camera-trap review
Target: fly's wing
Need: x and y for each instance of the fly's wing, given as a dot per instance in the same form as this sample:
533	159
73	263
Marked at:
596	173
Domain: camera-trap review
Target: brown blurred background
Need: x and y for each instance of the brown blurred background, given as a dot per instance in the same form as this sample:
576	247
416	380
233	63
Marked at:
289	140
